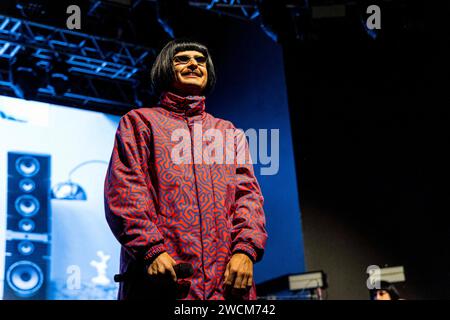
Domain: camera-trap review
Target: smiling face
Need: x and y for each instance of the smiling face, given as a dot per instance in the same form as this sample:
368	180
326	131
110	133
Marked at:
191	73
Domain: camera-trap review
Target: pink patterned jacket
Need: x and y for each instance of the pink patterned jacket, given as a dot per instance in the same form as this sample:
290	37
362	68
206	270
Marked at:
198	212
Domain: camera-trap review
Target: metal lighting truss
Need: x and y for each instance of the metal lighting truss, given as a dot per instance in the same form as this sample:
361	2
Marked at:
241	9
89	58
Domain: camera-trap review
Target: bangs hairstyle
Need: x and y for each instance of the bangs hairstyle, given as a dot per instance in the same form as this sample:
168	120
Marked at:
163	73
386	286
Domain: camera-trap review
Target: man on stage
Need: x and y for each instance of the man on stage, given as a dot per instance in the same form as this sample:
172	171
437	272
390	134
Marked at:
167	206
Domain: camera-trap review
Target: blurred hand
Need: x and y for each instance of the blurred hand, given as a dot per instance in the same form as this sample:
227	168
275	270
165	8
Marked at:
163	266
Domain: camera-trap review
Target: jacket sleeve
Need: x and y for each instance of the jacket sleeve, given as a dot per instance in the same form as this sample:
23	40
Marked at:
129	194
249	233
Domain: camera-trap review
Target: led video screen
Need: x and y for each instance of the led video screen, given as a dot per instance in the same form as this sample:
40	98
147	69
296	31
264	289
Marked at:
54	240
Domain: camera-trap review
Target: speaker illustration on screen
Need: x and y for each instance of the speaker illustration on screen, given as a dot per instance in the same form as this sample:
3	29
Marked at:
28	227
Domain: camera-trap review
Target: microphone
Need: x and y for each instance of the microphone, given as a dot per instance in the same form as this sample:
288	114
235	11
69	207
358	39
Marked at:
183	270
119	277
176	290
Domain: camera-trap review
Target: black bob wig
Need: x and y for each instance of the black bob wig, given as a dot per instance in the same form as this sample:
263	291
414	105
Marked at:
162	73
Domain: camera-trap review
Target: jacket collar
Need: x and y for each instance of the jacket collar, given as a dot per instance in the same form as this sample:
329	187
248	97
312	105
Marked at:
189	105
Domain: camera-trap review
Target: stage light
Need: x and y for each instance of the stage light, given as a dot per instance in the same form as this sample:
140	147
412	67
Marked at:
308	285
308	281
390	274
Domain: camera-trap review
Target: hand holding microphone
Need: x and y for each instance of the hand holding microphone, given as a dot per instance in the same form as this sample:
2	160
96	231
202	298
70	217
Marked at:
164	265
165	273
183	270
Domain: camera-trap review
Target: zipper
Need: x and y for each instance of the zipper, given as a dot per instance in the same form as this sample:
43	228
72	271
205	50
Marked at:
198	203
